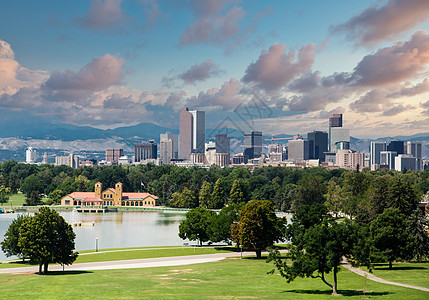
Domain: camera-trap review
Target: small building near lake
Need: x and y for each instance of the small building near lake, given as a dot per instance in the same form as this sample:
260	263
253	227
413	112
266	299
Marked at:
109	197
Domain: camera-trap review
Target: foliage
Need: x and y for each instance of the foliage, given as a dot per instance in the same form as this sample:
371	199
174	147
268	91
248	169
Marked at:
259	227
417	227
196	224
403	196
390	238
56	195
218	198
236	195
10	243
47	238
4	192
205	194
220	228
185	199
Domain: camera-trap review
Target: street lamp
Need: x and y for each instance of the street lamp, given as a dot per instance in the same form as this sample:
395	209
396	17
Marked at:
96	244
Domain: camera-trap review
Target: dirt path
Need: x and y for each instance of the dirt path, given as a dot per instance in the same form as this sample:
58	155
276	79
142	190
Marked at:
378	279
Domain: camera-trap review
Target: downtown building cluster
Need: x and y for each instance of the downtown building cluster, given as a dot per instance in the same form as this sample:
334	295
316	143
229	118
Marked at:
329	149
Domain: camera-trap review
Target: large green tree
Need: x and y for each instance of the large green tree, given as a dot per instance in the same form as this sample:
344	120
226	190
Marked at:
205	194
196	224
402	195
32	187
390	237
220	228
218	198
47	238
259	227
417	227
236	194
10	243
4	194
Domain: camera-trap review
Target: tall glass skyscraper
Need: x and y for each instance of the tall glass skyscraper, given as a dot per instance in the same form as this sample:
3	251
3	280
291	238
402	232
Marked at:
253	144
192	132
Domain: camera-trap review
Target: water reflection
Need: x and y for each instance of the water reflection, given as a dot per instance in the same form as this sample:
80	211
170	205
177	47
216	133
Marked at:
117	230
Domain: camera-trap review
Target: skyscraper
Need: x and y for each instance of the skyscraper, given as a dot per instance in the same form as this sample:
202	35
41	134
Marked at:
145	151
318	144
222	143
397	146
192	132
253	144
174	140
166	151
374	151
336	132
30	156
112	155
298	149
336	120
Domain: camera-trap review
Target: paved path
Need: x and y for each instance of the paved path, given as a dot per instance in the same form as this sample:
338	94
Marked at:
360	272
132	263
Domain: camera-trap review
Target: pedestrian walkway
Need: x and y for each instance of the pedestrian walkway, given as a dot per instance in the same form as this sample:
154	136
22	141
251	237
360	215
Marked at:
360	272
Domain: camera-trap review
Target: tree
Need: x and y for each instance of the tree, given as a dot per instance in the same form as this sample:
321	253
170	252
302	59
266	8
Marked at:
218	198
185	199
403	196
390	237
195	226
259	227
32	187
220	228
47	238
205	194
417	227
10	244
4	194
236	194
319	252
310	190
55	196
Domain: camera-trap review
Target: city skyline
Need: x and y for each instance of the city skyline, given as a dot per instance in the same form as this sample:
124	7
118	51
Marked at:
115	63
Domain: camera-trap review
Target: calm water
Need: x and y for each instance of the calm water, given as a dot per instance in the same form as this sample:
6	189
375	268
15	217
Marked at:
117	230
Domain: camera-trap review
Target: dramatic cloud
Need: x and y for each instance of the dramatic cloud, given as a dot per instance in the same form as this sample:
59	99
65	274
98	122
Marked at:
425	106
417	89
275	68
102	15
200	72
397	109
100	73
226	97
210	24
376	24
402	61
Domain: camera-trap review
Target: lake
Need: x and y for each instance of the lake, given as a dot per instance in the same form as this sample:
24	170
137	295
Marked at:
117	229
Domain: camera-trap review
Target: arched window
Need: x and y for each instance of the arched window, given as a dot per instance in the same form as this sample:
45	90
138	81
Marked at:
123	203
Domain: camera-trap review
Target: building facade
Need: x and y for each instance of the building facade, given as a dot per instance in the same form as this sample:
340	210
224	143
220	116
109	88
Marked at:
192	132
144	151
338	134
298	149
349	159
166	151
113	155
30	155
374	153
109	197
318	144
71	161
253	144
175	142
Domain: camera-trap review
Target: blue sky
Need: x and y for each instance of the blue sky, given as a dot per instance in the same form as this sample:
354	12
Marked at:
109	63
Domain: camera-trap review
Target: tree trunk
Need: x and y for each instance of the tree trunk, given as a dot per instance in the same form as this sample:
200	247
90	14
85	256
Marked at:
325	282
390	265
334	287
45	268
40	268
258	253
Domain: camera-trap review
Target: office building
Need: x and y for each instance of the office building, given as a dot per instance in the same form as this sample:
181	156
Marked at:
30	155
175	142
144	151
387	159
166	151
239	159
338	134
45	158
123	161
70	160
222	143
210	152
113	155
298	149
374	153
192	132
405	162
336	120
349	159
222	159
253	144
397	146
318	143
415	149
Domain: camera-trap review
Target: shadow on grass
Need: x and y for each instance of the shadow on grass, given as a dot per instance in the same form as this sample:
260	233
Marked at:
69	272
347	293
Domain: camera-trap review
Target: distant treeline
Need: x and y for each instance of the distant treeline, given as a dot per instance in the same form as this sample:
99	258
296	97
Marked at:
350	192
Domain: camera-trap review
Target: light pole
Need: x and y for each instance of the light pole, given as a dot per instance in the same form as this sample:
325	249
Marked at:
96	244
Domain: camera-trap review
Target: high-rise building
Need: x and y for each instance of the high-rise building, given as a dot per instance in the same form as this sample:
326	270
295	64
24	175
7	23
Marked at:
45	158
192	132
30	155
298	149
166	151
210	152
222	143
387	159
143	151
374	153
71	161
396	146
337	134
113	155
415	149
253	144
336	120
175	142
405	162
349	159
318	143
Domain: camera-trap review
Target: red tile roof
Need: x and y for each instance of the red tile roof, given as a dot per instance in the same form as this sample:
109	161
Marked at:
92	199
137	196
81	195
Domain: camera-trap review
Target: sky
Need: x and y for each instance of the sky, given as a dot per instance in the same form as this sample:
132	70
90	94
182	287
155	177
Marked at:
281	67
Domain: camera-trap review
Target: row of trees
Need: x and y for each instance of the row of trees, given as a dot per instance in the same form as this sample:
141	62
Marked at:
43	239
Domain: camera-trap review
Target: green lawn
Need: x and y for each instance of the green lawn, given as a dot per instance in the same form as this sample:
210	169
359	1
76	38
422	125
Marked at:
133	253
409	273
228	279
17	200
